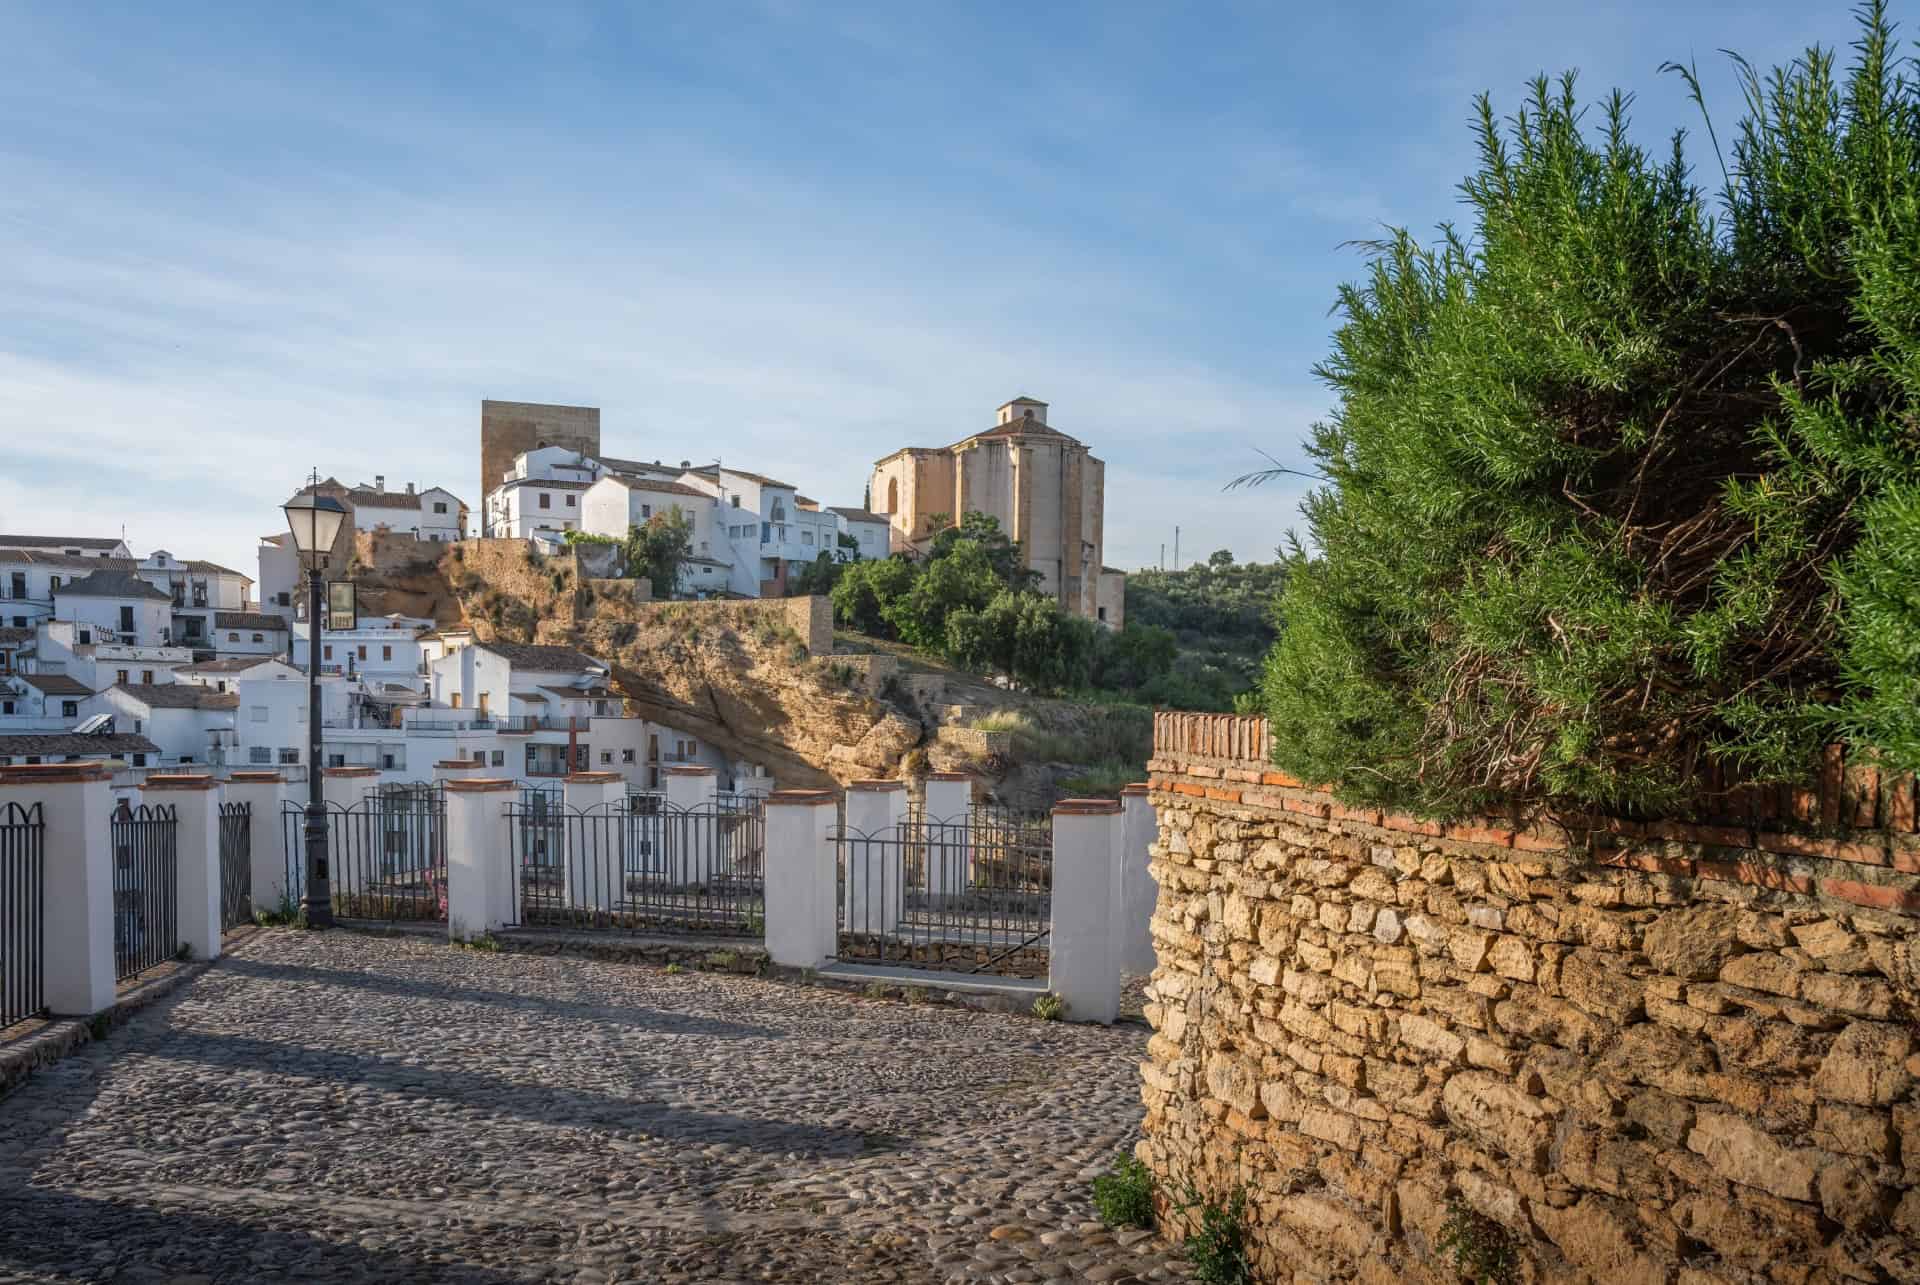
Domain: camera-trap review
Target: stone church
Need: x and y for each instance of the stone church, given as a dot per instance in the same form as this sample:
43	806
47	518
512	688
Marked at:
1046	489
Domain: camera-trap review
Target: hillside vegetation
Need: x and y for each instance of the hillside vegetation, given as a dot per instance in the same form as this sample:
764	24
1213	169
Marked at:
1219	615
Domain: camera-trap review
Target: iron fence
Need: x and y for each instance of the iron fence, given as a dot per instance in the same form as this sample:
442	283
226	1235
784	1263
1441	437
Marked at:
386	854
971	895
638	865
236	864
146	864
23	911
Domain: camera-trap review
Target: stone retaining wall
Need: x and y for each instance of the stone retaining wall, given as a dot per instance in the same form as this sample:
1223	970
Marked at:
1663	1052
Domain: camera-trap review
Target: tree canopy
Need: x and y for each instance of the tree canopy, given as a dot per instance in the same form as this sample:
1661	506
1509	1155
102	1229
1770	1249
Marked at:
1624	480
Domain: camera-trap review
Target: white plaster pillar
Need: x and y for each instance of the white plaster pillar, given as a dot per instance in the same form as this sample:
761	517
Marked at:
76	804
480	878
195	801
458	770
353	834
801	876
950	847
690	839
593	844
876	846
1084	955
1139	829
264	793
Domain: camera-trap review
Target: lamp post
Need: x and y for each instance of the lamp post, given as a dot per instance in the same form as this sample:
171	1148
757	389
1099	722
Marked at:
315	521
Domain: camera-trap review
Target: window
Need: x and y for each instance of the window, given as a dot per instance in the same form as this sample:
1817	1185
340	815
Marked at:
6	707
126	620
289	756
736	501
86	635
137	727
19	584
146	676
259	754
69	709
546	501
499	758
360	652
453	701
480	756
19	622
53	582
626	755
571	499
685	750
258	638
326	651
439	506
259	713
283	598
233	637
386	653
140	760
600	708
606	758
766	533
1103	613
582	757
806	537
120	676
646	510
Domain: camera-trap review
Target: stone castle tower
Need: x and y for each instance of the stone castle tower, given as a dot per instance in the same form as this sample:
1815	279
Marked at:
509	428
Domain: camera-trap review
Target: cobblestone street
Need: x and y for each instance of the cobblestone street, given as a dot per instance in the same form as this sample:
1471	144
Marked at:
338	1107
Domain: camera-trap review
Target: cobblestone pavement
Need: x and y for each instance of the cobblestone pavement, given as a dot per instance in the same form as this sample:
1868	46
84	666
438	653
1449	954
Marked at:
338	1107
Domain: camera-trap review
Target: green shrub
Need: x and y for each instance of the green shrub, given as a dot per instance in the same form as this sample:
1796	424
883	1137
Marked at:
1482	1250
1622	480
1123	1195
1049	1007
1102	780
674	970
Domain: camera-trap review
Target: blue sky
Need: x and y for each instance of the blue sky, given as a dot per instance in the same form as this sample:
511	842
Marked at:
239	241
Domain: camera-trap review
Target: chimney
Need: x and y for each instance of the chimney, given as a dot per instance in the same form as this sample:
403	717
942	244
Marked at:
379	481
409	488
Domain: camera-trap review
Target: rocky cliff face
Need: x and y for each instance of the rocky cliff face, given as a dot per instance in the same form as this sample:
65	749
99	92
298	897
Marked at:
752	678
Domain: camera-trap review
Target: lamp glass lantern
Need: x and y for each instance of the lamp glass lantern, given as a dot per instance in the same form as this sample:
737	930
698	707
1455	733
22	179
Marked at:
315	521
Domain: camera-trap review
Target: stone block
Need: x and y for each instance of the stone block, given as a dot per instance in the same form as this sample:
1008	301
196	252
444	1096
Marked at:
1866	1065
1512	958
1598	984
1432	1039
1329	1125
1693	943
1772	973
1497	1115
1742	1153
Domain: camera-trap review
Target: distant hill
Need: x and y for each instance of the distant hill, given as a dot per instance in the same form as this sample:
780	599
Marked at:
1220	615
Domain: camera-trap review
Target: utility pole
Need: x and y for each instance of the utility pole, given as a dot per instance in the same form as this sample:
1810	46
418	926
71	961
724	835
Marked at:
1176	548
1163	555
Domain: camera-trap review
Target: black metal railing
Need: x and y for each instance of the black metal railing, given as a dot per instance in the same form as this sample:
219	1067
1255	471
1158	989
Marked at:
236	864
638	865
23	912
973	895
386	855
146	863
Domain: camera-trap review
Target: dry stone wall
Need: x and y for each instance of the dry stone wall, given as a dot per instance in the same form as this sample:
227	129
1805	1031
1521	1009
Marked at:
1655	1052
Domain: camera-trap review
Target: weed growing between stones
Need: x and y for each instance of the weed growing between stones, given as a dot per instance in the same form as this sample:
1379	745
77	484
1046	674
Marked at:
1049	1007
875	990
723	960
1217	1243
288	913
99	1025
184	952
485	942
1482	1250
914	994
674	970
1123	1195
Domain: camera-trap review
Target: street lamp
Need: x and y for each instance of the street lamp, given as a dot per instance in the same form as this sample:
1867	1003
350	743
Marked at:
315	521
